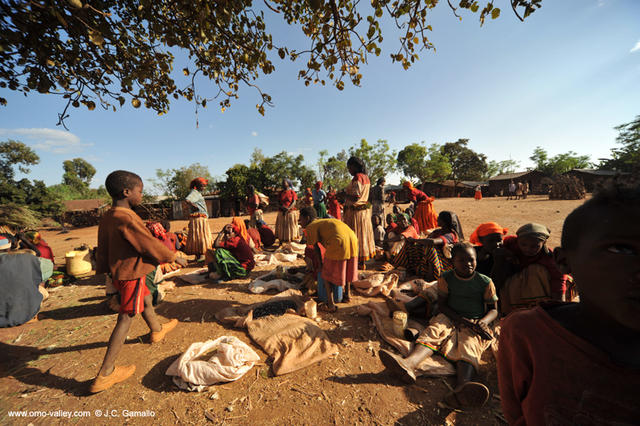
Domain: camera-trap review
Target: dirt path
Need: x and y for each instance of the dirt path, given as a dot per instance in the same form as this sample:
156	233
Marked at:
48	365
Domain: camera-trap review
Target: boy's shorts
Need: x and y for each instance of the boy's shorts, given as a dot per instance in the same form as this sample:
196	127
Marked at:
132	294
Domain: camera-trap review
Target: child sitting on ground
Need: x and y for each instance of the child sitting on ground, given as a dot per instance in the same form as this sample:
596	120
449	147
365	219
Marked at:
579	363
460	332
524	271
129	252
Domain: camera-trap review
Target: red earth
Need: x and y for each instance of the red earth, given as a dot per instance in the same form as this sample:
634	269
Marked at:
47	366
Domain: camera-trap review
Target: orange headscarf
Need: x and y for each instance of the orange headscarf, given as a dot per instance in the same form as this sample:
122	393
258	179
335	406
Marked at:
240	229
199	181
407	184
485	229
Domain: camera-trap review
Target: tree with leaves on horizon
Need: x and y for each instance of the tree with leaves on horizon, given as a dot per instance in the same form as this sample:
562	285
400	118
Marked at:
560	163
426	164
377	157
110	53
175	182
627	157
466	164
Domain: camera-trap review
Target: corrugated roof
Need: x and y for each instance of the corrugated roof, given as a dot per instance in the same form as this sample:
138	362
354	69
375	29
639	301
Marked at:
598	172
83	205
508	176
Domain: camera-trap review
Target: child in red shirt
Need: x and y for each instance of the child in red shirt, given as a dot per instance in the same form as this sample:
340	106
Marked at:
579	363
128	250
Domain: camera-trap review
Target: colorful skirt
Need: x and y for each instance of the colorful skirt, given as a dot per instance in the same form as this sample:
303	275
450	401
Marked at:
478	195
321	210
340	272
360	222
425	216
287	226
424	261
227	266
199	237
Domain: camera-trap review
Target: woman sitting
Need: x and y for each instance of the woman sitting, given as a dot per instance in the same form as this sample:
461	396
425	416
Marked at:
232	257
426	257
486	238
395	240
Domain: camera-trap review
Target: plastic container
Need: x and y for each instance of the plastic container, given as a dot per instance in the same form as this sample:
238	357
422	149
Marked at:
399	323
78	262
311	309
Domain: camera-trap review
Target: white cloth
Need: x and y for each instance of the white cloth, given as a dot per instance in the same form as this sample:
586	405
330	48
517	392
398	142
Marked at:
233	359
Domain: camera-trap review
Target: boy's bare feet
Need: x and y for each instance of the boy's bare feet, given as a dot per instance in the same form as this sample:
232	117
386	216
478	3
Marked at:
119	374
157	336
397	365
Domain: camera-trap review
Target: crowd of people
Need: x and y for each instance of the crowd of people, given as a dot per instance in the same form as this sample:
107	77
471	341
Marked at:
569	316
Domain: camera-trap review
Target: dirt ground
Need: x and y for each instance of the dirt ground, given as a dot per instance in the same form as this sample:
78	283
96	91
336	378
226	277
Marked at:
47	366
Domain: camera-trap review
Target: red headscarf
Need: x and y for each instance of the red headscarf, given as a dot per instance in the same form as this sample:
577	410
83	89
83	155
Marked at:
240	229
318	185
199	181
157	230
485	229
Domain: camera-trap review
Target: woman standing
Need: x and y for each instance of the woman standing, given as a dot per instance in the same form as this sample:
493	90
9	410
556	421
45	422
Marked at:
478	193
253	204
319	200
287	220
357	210
199	235
424	214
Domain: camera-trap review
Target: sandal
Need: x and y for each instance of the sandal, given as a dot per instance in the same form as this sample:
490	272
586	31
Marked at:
323	307
468	395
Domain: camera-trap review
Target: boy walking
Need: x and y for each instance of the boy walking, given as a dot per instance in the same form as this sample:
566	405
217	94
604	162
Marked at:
128	250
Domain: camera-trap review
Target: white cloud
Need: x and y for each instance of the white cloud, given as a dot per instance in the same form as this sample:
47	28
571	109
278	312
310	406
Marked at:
49	140
254	133
636	47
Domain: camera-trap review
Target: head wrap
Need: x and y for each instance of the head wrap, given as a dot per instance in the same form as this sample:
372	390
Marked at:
485	229
319	185
5	244
240	229
535	230
199	181
407	184
33	236
406	216
157	230
451	221
289	182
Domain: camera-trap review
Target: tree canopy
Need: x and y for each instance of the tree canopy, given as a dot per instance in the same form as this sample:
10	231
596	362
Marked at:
466	164
626	157
175	182
379	160
427	164
78	173
560	163
112	51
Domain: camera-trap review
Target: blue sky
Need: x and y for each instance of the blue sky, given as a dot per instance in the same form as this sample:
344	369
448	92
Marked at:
561	80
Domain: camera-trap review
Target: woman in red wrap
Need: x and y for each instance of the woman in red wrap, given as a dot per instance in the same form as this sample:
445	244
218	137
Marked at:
287	220
424	213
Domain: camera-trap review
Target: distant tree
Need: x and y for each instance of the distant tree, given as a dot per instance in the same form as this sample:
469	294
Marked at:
380	161
495	168
466	164
626	158
78	173
15	154
175	182
427	164
334	169
284	165
560	163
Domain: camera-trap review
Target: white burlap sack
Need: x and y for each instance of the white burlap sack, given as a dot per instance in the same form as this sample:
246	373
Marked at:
233	359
